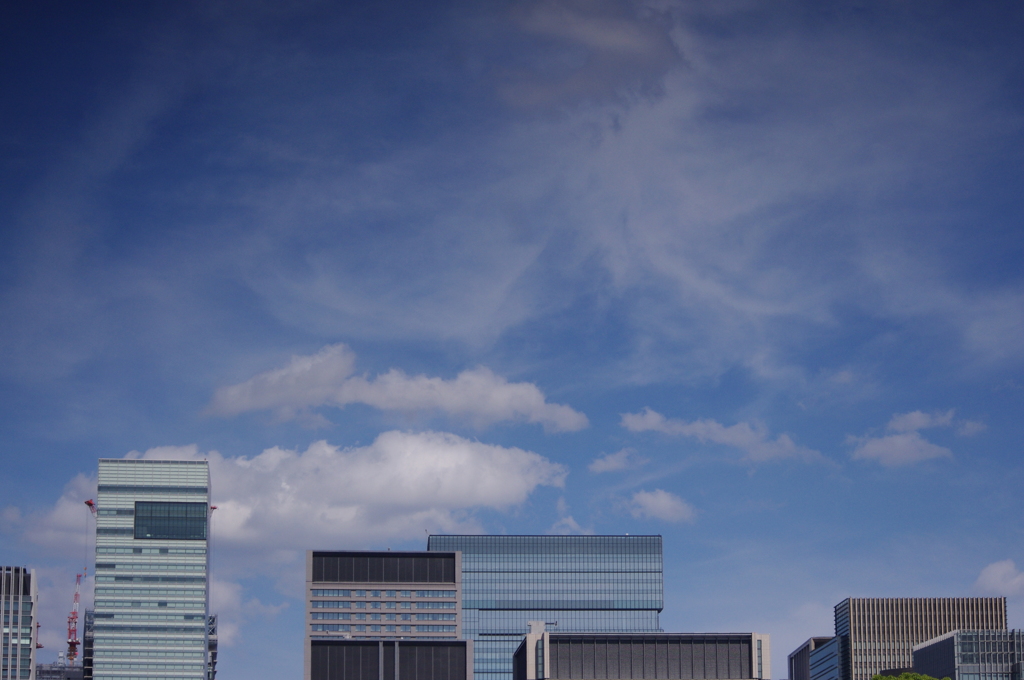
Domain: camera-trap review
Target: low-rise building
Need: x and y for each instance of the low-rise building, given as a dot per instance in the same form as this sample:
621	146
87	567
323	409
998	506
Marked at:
641	656
972	655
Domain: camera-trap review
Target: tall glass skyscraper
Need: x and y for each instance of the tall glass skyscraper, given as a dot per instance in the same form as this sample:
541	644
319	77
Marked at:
151	598
587	584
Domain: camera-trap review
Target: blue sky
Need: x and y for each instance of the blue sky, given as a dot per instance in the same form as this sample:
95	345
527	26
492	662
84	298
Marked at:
747	275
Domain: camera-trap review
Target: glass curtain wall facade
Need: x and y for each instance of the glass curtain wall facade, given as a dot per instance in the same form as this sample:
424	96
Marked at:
880	633
18	592
973	655
151	600
591	584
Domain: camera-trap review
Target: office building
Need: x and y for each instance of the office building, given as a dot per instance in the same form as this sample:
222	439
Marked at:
880	633
336	658
972	655
800	659
826	659
18	593
595	584
640	656
59	671
360	595
150	616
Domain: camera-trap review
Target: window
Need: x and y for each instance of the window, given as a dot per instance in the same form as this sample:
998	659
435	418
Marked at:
389	605
177	521
407	605
374	593
389	593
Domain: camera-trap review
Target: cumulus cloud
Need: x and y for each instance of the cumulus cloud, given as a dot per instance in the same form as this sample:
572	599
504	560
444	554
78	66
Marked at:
898	449
660	504
904	445
566	523
620	460
274	506
395	487
326	378
1001	578
751	438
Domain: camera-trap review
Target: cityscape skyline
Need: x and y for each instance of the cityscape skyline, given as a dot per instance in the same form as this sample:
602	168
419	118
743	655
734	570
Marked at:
745	275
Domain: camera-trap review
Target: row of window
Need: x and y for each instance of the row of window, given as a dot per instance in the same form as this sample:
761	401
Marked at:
148	653
333	592
150	551
102	604
344	604
152	617
26	606
345	628
345	616
104	566
163	642
153	592
108	666
150	579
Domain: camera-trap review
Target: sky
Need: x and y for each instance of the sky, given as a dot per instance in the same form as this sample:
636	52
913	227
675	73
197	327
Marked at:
744	274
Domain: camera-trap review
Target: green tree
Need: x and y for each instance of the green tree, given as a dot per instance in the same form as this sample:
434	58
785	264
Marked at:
905	676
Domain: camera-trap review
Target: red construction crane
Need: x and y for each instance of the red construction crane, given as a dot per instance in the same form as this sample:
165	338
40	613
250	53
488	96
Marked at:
73	640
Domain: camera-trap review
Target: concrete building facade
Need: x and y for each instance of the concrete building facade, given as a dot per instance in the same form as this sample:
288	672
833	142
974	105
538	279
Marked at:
336	658
372	596
880	633
18	597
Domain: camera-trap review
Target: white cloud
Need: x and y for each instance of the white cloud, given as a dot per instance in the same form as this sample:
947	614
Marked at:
918	420
274	506
620	460
325	378
396	487
906	445
898	449
227	601
969	428
659	504
566	523
752	438
1001	578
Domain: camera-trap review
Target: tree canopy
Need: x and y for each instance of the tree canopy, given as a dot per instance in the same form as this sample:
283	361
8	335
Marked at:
906	676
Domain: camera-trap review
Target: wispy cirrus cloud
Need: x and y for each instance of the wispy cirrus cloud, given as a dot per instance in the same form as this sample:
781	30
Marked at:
326	379
753	439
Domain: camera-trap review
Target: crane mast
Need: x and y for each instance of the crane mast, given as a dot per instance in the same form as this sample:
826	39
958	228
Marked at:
73	640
